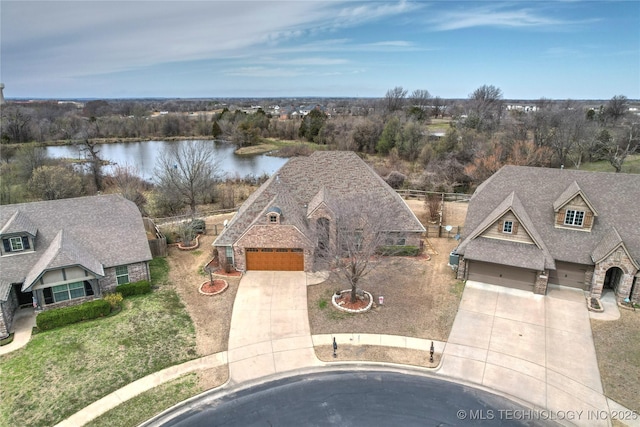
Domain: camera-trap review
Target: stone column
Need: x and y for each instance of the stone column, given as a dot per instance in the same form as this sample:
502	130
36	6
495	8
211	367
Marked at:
542	280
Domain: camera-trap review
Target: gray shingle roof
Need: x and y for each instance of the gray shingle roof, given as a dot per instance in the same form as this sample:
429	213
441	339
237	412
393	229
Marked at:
19	223
313	179
62	252
614	196
108	226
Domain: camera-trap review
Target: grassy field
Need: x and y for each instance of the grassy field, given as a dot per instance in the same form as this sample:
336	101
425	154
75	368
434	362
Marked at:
61	371
618	351
630	165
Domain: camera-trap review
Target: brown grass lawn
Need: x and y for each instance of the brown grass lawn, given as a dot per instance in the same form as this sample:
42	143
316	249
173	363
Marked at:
421	298
618	350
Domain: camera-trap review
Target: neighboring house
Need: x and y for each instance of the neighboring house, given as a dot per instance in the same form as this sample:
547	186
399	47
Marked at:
63	252
284	223
528	227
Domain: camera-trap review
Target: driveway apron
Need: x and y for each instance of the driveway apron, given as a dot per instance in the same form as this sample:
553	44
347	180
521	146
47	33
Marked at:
270	326
537	348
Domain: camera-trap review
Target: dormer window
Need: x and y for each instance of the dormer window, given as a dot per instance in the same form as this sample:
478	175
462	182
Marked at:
273	215
574	218
507	227
16	244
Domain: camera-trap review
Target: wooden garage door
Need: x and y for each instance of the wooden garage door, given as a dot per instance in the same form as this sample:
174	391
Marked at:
568	274
275	259
503	275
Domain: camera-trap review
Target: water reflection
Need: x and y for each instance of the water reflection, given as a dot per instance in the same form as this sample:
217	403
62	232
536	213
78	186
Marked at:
143	156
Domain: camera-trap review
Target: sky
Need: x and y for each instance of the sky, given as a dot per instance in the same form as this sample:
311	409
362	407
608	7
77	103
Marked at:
297	48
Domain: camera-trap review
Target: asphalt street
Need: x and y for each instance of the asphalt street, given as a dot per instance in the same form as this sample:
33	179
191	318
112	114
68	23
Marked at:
357	398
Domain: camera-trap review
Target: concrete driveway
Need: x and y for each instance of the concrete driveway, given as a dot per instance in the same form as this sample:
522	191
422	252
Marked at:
270	326
536	348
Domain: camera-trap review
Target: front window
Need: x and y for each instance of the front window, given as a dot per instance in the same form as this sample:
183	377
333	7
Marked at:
573	217
507	227
229	255
122	274
16	244
66	292
273	219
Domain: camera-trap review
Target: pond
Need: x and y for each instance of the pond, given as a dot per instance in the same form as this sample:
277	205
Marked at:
143	156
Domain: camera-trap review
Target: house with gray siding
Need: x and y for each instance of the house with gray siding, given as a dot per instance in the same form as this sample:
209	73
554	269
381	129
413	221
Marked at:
529	227
64	252
286	223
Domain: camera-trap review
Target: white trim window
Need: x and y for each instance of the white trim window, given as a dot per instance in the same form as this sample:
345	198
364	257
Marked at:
68	291
507	227
16	244
574	217
122	274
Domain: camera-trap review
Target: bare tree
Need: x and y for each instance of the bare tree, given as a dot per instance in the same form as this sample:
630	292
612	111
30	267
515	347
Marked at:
617	107
360	235
126	181
394	99
187	172
627	142
485	108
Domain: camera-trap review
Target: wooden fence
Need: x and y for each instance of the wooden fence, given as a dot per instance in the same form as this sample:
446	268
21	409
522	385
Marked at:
157	240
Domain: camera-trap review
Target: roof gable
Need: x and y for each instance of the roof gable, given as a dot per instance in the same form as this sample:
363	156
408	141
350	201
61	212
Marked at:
62	252
614	195
569	194
513	204
309	181
19	223
609	244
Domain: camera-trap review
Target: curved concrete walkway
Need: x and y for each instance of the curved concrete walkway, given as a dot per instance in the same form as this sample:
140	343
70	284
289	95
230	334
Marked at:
23	323
515	343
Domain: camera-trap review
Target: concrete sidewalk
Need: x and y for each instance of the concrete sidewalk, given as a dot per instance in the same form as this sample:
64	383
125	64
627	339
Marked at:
23	323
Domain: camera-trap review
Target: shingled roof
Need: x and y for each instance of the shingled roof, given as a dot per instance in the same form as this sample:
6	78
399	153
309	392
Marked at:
309	181
108	227
540	191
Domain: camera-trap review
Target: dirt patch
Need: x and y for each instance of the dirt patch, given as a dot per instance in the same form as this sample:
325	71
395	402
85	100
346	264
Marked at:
371	353
213	377
420	298
618	356
211	316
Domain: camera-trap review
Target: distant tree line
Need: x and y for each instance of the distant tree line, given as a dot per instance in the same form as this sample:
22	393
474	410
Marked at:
479	136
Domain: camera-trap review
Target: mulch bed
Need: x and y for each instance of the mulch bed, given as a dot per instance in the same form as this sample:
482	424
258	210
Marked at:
212	288
344	301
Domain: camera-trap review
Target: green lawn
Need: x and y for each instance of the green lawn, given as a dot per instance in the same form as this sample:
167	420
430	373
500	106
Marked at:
146	405
61	371
630	165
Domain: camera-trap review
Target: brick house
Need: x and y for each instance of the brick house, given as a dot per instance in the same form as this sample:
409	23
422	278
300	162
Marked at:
64	252
528	227
284	223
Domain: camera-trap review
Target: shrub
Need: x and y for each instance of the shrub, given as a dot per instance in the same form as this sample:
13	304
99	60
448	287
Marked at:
396	179
65	316
135	288
198	225
114	300
394	250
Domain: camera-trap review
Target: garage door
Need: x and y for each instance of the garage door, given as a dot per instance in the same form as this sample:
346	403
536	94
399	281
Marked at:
568	274
503	275
275	259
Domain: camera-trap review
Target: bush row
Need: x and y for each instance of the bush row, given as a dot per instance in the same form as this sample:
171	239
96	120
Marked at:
135	288
65	316
394	250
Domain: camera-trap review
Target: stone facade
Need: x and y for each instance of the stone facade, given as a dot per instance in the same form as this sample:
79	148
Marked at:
7	313
542	280
620	259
